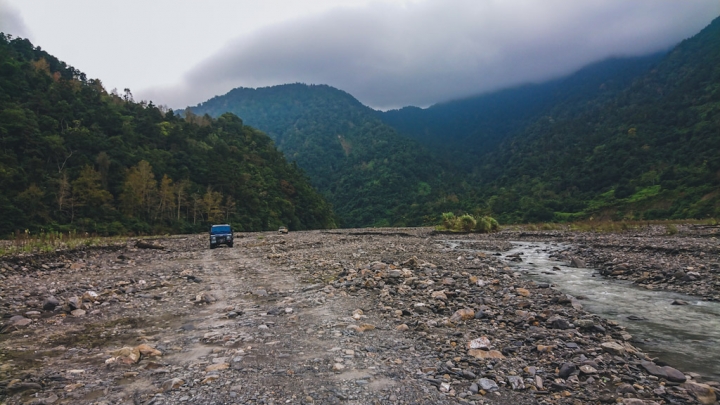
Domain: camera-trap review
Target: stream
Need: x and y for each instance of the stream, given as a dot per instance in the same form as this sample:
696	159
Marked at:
684	336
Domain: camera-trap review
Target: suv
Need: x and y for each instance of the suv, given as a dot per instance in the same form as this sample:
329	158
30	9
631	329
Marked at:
221	234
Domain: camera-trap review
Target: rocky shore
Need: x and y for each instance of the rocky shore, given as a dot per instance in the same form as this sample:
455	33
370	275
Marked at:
392	316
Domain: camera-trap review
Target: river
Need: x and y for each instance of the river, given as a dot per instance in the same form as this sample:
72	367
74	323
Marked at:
684	336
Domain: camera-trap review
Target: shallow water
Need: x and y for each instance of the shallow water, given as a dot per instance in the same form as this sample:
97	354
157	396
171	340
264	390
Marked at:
684	336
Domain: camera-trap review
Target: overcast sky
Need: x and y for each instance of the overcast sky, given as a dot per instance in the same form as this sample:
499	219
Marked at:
387	53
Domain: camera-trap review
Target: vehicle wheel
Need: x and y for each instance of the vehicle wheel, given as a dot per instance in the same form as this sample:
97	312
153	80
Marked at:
212	246
230	244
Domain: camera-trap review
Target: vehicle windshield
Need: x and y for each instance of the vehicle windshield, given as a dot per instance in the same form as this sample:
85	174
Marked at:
220	229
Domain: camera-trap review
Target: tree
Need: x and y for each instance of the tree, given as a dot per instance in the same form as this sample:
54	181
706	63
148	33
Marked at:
166	197
139	190
88	194
211	204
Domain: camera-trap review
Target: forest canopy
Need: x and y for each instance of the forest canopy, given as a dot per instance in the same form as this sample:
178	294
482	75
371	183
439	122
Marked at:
76	157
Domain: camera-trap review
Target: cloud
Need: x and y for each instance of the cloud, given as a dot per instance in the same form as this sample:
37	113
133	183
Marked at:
419	53
11	21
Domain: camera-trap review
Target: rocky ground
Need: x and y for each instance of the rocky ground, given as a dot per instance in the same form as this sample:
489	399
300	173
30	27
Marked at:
389	316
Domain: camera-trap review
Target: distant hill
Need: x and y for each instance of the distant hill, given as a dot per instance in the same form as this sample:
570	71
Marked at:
478	124
370	174
74	157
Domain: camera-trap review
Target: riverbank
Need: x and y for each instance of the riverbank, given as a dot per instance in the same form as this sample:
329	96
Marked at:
343	316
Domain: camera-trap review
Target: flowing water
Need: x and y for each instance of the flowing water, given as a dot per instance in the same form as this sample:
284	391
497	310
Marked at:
685	336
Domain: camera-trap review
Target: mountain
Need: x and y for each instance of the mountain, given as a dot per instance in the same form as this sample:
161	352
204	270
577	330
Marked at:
76	158
648	152
478	124
370	174
632	138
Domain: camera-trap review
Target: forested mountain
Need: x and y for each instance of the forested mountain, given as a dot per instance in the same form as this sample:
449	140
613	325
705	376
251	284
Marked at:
624	138
478	124
370	174
75	157
651	151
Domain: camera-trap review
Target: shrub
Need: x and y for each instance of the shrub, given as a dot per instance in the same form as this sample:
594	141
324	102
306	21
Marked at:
448	220
467	222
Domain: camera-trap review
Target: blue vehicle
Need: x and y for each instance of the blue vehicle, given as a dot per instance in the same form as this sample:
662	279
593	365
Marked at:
221	234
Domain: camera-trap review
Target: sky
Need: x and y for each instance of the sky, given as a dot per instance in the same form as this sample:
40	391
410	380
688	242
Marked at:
386	53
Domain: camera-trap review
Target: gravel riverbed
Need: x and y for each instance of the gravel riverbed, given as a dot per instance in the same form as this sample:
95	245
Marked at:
361	316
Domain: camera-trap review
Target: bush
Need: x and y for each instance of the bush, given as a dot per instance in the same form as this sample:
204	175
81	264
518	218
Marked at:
448	220
466	223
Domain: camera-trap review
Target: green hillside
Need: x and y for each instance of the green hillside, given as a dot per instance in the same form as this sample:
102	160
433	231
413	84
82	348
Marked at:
478	124
75	157
651	151
370	174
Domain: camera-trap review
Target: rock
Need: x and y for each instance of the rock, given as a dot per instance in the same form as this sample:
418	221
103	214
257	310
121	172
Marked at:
402	328
702	392
73	303
634	401
127	355
438	295
566	370
587	369
557	322
516	382
625	389
674	375
50	303
480	343
483	354
462	315
523	292
488	385
653	369
148	351
172	384
90	296
577	262
217	367
613	348
77	312
679	302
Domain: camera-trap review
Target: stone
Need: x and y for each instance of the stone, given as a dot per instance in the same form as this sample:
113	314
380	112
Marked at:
577	262
402	328
127	355
77	312
625	389
217	367
90	296
172	384
488	384
702	392
438	295
613	348
50	303
679	302
558	322
462	315
148	351
674	375
587	369
485	354
653	369
480	343
516	382
566	370
635	401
